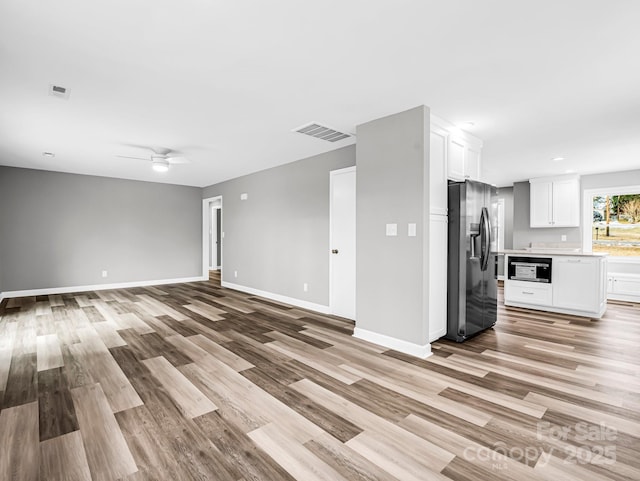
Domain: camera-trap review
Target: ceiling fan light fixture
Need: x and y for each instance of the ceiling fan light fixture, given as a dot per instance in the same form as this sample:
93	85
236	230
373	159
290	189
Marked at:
159	164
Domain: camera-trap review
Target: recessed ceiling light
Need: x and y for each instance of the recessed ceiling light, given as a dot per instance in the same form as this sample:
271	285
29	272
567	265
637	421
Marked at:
48	154
557	159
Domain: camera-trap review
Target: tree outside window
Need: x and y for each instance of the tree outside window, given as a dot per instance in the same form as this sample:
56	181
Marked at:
616	224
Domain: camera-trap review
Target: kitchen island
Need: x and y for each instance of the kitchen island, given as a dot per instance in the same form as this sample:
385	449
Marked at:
565	281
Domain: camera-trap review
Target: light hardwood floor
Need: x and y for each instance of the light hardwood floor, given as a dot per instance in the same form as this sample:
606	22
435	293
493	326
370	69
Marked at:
194	381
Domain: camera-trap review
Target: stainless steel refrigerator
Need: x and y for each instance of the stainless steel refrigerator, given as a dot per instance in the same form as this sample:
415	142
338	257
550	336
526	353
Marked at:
472	286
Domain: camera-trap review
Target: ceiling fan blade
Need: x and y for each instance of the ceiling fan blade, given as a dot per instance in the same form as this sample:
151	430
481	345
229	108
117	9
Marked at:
128	157
178	160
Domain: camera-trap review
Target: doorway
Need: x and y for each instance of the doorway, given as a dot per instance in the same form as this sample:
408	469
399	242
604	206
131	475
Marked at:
342	243
212	235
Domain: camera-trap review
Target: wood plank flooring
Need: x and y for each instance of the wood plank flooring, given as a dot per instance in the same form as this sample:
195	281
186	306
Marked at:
193	381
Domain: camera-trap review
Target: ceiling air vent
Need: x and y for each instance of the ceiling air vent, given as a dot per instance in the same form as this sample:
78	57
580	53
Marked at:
58	91
318	131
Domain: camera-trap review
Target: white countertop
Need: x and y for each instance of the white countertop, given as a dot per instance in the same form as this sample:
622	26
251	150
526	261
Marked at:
550	251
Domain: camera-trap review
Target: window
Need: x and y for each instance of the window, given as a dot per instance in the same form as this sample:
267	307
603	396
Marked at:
615	227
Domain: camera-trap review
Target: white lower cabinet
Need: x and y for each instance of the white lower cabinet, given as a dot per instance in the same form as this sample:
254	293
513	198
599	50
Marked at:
528	292
437	277
573	283
578	286
624	287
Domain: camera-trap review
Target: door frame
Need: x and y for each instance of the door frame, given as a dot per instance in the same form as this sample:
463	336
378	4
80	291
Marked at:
332	174
206	227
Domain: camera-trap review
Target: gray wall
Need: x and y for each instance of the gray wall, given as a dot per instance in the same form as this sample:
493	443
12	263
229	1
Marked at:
62	230
523	235
506	193
278	239
613	179
391	287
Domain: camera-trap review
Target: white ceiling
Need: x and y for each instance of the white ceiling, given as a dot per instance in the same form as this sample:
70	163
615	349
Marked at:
226	81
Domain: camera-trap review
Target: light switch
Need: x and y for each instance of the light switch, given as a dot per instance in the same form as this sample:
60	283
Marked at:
411	231
244	196
392	230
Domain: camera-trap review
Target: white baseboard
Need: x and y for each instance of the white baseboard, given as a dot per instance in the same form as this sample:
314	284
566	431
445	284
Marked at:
406	347
98	287
279	298
620	297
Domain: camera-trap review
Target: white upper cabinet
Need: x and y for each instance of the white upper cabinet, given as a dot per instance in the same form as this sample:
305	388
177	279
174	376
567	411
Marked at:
456	164
555	202
472	160
464	157
438	170
462	152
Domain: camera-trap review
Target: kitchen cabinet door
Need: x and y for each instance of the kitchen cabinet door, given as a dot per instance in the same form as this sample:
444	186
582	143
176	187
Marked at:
438	170
541	204
472	162
437	277
455	159
626	285
566	203
576	283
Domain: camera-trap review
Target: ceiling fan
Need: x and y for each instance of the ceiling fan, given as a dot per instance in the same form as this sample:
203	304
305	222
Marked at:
160	159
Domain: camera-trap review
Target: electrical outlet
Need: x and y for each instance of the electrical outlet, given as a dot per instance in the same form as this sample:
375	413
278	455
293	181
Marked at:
392	230
235	273
105	273
305	287
563	238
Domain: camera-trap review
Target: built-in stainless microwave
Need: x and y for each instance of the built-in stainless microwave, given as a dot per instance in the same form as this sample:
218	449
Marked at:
531	269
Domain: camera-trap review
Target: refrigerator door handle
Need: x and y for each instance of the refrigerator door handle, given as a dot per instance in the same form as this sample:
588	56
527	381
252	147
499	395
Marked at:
485	239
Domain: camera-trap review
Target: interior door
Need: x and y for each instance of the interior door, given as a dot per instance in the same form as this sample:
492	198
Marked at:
342	265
